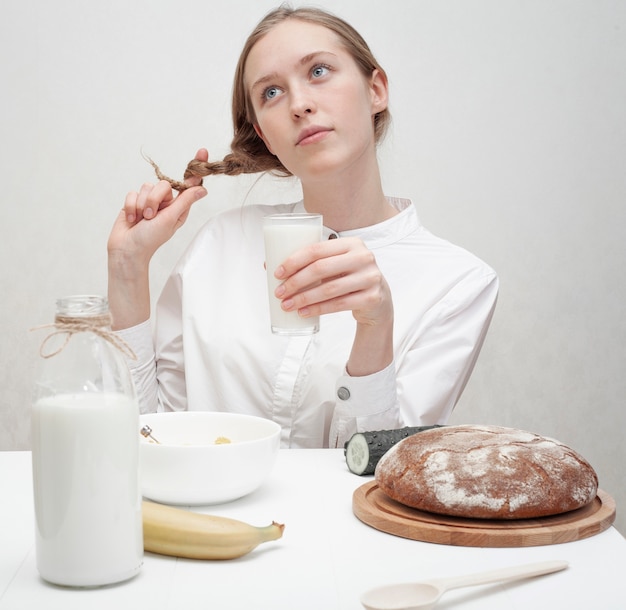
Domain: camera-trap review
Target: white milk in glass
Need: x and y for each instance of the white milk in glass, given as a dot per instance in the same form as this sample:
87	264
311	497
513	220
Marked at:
284	234
87	502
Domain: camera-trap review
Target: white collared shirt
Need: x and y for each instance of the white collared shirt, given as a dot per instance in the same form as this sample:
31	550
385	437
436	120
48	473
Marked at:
213	348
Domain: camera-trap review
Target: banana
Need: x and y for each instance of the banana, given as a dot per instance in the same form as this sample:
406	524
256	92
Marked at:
181	533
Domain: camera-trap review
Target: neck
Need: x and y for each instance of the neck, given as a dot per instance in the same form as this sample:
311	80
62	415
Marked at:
348	200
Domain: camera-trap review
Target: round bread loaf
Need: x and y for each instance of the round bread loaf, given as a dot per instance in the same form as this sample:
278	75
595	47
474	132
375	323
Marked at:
486	472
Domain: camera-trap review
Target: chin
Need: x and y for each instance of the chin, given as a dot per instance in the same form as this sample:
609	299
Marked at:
320	167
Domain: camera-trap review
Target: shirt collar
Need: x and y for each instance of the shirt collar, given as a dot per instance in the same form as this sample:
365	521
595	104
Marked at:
387	232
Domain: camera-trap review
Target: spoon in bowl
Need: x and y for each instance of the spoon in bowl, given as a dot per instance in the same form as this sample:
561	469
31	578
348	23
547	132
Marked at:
424	595
146	431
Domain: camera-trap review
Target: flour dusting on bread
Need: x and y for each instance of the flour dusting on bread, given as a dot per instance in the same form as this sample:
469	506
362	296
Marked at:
486	472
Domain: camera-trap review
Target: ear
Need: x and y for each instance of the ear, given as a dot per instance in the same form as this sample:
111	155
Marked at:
379	91
265	140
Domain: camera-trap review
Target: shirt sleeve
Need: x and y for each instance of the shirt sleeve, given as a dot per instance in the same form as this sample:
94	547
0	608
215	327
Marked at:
423	385
364	403
159	371
170	352
435	371
143	367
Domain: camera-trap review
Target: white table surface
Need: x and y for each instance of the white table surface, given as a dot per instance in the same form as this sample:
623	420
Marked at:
324	561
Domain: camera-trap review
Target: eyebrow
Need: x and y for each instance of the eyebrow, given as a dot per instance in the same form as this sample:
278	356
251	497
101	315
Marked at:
274	75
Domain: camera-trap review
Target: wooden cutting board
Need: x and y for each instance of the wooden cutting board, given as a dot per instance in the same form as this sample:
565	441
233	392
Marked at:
378	510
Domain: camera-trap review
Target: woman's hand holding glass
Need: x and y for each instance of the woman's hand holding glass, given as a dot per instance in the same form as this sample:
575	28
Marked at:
342	275
335	275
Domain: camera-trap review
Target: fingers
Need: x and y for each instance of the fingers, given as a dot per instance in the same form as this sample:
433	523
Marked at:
147	201
310	254
321	262
151	198
201	155
339	275
176	212
130	207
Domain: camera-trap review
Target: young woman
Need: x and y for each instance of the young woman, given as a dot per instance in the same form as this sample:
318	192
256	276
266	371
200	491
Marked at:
404	313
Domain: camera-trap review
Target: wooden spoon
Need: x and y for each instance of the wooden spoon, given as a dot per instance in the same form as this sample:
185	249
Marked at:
424	595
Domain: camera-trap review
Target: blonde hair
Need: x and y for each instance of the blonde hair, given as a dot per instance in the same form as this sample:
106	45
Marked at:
248	151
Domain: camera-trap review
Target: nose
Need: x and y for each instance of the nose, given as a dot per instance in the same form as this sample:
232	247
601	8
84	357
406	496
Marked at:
301	103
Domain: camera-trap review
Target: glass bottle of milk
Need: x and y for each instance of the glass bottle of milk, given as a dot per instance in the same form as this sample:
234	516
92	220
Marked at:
85	445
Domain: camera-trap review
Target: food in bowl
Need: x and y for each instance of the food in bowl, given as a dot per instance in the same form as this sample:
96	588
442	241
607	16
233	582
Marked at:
192	465
220	440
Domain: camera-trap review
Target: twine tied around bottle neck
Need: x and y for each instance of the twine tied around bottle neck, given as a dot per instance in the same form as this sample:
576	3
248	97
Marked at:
70	325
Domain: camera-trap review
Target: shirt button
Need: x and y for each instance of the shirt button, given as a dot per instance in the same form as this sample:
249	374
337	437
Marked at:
332	236
343	393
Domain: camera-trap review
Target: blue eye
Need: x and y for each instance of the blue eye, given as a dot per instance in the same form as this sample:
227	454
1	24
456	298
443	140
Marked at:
319	71
270	93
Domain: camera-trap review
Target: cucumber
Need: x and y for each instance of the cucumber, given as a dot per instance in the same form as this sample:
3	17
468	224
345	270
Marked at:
364	449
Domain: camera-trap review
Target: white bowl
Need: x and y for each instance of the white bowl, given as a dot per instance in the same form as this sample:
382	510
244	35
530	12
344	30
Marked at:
189	467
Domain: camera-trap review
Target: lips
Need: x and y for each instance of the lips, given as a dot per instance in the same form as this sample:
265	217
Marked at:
312	134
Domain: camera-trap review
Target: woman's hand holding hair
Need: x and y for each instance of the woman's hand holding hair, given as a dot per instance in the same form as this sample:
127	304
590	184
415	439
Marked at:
342	275
149	218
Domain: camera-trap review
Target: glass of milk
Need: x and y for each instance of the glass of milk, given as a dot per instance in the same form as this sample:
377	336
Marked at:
284	234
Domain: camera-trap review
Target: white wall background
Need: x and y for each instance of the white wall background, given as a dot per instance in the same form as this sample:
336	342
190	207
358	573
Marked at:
509	134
